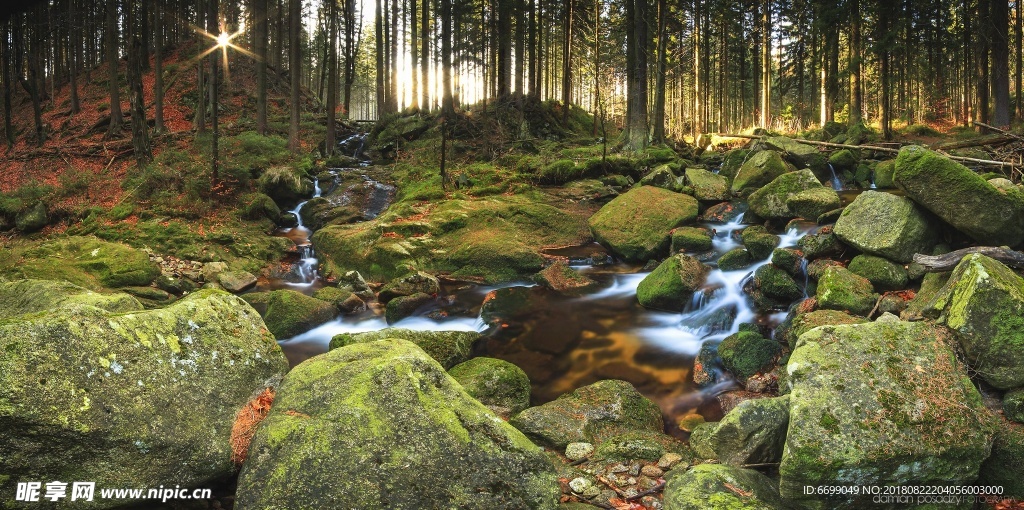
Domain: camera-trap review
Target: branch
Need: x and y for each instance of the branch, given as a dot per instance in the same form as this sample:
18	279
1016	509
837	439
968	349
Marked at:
943	263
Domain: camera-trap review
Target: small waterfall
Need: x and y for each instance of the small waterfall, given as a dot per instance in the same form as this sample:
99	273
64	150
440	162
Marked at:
836	183
305	268
803	269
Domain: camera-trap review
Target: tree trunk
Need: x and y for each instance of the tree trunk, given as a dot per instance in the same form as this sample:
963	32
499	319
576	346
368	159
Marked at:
200	119
261	36
425	56
1000	62
504	47
295	68
75	54
379	41
981	68
567	61
1019	81
7	75
158	67
332	78
448	102
766	63
414	48
659	87
140	130
856	90
394	75
636	74
116	117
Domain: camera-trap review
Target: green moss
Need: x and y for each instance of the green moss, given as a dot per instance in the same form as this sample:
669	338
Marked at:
561	172
884	171
760	169
797	323
770	201
629	447
636	226
288	313
732	161
449	348
840	289
499	385
772	288
255	206
736	258
759	242
811	204
843	160
746	353
691	240
708	186
1013	405
84	261
886	225
882	273
671	285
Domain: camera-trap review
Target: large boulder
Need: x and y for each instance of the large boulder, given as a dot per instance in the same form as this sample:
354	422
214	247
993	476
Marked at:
20	297
882	403
962	198
887	225
409	284
32	218
746	353
1006	464
771	200
590	414
772	288
136	399
759	241
732	161
753	432
501	386
798	323
707	185
449	348
636	225
813	203
720	487
671	285
983	301
289	313
881	272
760	169
285	184
801	154
88	262
381	425
840	289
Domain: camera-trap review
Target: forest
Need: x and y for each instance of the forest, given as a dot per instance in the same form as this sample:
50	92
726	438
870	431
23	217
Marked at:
512	254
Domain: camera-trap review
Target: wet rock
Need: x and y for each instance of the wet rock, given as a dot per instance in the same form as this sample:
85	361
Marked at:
449	348
843	159
408	285
315	449
720	487
759	242
690	421
983	301
797	323
704	365
289	313
346	300
354	282
708	186
636	225
236	281
1013	405
288	220
884	403
499	385
736	258
32	218
813	203
321	211
747	353
816	268
962	198
150	396
754	432
174	285
1004	466
789	260
772	288
211	270
590	414
405	306
732	161
840	289
823	244
691	240
508	303
559	277
285	184
724	212
770	201
881	272
631	446
886	225
884	171
760	169
830	217
672	284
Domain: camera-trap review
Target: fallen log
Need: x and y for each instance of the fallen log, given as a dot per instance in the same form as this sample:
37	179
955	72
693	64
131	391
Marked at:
996	139
948	261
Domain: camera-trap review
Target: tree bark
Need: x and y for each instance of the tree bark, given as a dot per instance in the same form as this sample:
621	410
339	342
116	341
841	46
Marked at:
766	59
116	117
7	57
332	78
947	262
567	61
1000	62
75	54
158	67
295	68
425	56
636	74
659	87
261	36
381	70
140	130
856	89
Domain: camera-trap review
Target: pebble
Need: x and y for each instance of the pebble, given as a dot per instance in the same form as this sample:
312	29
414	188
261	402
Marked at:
579	485
634	469
651	502
668	460
652	471
618	468
577	451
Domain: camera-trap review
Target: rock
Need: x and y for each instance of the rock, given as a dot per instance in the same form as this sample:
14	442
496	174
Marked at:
724	212
829	217
150	297
789	260
983	301
631	446
962	198
799	323
771	200
886	225
884	171
21	297
704	365
840	289
690	421
1013	405
32	218
881	403
88	262
691	240
812	203
590	414
286	185
408	285
354	282
882	273
289	313
211	270
772	288
708	186
760	169
174	285
497	384
1004	466
759	242
672	284
577	451
559	277
635	226
747	353
650	471
405	306
381	425
801	155
669	460
346	301
236	281
128	397
509	303
930	287
661	177
720	487
816	268
580	485
823	244
449	348
734	259
732	161
754	432
256	206
843	159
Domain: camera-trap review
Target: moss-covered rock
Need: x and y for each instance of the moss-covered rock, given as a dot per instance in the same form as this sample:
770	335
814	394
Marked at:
255	206
843	159
770	202
759	242
409	284
789	260
1013	405
1004	466
962	198
288	313
801	155
884	171
753	432
881	272
285	184
501	386
708	186
881	403
590	414
732	161
662	177
840	289
823	244
343	298
381	425
236	281
931	284
747	353
636	226
736	258
772	288
449	348
816	268
633	446
886	225
720	487
85	261
811	204
671	285
20	297
120	399
797	323
760	169
33	218
405	306
691	240
559	277
983	301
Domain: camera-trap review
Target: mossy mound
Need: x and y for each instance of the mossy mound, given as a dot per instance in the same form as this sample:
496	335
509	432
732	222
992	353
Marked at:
129	398
1013	405
801	155
289	313
962	198
708	186
672	284
881	272
759	242
823	244
747	353
32	219
691	240
843	159
449	348
797	323
886	225
20	297
789	260
760	169
882	403
83	261
409	284
590	414
254	206
636	226
405	306
501	386
720	487
884	172
772	288
285	184
381	425
732	161
734	259
811	204
840	289
771	201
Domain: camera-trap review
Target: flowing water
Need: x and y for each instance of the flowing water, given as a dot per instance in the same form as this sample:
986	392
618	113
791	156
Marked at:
837	184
